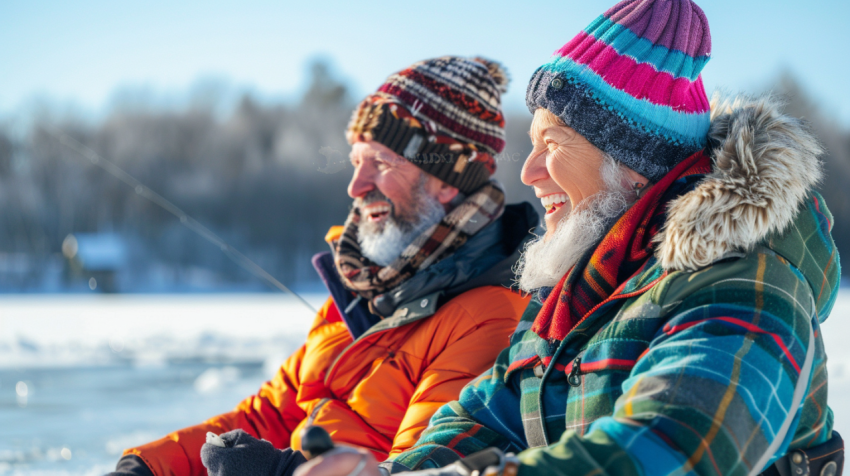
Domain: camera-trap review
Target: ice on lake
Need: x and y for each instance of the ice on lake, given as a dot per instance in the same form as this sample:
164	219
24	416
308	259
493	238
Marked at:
83	377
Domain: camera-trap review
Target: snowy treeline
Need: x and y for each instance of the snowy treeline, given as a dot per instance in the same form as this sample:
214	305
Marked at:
270	178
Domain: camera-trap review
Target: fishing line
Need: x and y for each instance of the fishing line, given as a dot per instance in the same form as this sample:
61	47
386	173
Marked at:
111	168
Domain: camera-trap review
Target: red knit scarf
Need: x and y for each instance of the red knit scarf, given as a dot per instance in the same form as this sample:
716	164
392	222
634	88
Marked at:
620	254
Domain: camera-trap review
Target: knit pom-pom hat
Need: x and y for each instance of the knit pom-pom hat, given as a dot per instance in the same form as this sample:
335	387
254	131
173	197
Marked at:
443	114
630	84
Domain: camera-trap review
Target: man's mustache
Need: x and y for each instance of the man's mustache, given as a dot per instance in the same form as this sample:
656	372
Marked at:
372	197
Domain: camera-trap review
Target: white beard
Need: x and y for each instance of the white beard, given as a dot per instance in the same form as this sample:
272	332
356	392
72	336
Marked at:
545	261
384	246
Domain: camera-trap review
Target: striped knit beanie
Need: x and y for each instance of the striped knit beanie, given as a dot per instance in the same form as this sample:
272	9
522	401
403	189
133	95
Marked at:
630	84
442	114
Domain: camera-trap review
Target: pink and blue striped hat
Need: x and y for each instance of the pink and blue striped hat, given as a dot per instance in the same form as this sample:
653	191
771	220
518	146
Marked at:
630	84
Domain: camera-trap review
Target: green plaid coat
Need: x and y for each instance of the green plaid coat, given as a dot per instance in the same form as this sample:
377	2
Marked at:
717	371
690	372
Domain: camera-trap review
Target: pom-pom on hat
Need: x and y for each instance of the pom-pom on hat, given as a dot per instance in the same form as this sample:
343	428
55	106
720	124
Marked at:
630	84
443	114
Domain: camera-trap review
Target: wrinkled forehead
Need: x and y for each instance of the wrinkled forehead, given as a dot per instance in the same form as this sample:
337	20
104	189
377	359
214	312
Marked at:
371	150
543	119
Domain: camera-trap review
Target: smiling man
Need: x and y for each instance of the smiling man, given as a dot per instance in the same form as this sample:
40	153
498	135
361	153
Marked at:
417	281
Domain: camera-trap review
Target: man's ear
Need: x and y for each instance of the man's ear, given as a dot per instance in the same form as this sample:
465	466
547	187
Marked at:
444	192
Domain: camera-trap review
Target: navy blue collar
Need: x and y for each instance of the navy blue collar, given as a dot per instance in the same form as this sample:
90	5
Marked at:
487	259
354	310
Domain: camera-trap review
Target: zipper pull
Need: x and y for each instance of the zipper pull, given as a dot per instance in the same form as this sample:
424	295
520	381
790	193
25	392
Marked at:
574	378
539	371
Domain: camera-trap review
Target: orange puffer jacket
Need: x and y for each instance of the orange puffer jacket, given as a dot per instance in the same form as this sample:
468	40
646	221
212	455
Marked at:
377	391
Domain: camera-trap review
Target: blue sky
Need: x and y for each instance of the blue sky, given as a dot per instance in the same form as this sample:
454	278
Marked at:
81	52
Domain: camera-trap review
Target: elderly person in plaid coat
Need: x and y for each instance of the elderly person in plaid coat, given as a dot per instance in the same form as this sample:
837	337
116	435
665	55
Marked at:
680	286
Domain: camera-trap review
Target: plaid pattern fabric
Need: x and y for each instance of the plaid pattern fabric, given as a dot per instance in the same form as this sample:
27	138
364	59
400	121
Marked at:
619	255
370	280
716	371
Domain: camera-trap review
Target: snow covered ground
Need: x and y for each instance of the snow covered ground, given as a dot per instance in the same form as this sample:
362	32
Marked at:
83	377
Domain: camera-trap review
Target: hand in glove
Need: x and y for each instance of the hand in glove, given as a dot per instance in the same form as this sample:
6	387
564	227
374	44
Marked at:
237	453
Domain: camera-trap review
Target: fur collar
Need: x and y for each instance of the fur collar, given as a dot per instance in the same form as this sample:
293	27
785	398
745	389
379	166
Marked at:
765	163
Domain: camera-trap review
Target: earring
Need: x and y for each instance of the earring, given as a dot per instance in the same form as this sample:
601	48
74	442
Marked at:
638	188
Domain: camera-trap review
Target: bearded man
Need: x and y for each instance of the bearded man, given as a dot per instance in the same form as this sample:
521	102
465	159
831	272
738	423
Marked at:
418	304
682	281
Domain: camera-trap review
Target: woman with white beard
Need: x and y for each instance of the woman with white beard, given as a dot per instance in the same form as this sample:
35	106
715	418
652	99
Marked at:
680	286
582	174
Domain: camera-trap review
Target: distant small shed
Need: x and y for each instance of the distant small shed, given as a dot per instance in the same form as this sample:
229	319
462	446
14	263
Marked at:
95	257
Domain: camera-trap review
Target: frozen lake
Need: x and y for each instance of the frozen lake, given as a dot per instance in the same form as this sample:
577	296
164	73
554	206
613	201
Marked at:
83	377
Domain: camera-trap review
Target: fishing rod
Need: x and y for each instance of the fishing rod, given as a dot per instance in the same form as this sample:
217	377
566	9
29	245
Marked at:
143	191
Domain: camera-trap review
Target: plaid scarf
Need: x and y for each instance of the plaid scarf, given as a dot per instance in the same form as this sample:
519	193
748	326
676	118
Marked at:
369	280
620	254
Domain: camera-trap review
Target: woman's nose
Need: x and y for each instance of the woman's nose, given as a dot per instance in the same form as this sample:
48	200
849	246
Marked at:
534	168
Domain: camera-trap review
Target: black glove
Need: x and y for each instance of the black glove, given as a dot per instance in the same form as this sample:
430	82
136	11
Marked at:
245	455
131	465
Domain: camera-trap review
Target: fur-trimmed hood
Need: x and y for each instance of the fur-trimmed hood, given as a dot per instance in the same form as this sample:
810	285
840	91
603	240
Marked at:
765	163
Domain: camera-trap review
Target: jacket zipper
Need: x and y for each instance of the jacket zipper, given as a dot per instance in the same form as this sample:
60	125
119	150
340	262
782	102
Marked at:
316	409
574	379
